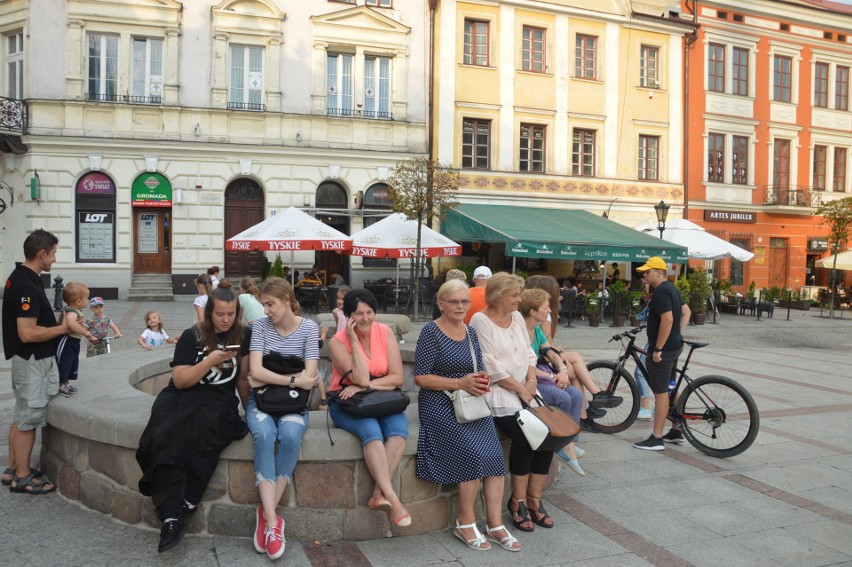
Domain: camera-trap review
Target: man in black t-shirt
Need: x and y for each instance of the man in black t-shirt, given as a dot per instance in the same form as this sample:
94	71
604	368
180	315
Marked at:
667	316
29	339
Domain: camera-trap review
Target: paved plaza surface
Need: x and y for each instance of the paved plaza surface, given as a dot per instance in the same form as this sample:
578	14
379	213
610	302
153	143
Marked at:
785	501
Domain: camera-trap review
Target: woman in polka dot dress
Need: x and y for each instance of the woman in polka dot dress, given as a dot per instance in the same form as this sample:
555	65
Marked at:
449	452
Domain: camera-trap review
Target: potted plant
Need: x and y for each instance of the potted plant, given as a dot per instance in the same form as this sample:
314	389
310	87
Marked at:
593	309
699	293
634	305
798	300
618	296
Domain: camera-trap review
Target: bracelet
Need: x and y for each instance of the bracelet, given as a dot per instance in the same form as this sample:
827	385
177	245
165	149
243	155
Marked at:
563	369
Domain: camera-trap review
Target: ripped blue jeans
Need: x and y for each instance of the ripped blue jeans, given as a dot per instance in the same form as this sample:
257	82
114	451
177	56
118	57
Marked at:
287	431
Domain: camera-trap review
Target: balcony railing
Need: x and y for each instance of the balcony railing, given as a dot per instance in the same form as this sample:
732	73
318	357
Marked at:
256	106
789	196
358	113
13	115
133	99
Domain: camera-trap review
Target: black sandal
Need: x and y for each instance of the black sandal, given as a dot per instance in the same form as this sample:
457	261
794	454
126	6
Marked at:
521	516
21	486
543	516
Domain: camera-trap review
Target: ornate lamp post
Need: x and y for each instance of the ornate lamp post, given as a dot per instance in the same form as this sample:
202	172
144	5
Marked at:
662	210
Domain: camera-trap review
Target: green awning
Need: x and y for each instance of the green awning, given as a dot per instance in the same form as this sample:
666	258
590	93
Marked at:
558	234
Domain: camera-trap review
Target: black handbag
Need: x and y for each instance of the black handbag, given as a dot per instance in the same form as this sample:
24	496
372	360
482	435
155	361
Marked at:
277	400
375	403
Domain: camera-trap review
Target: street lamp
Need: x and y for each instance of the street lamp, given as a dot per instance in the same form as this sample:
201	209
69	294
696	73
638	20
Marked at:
662	210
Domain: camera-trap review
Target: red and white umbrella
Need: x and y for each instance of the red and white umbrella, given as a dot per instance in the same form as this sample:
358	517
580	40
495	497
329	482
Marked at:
395	236
290	230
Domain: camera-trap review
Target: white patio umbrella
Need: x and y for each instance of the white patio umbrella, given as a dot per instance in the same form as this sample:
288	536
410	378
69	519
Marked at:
844	261
395	236
290	230
700	243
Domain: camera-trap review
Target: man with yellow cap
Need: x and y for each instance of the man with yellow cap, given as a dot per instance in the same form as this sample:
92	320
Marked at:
667	317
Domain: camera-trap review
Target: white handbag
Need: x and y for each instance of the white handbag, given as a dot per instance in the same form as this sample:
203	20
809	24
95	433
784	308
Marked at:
467	406
545	427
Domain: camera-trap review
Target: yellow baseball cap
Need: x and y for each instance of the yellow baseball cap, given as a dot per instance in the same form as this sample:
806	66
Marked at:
653	263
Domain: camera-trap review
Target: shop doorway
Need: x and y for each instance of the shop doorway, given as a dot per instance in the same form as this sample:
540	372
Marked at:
778	262
243	209
331	195
152	241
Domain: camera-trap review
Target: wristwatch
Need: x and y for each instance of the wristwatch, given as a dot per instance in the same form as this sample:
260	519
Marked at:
292	381
658	350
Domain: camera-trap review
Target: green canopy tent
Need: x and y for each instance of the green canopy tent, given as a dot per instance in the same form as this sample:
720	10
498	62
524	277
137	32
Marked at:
557	234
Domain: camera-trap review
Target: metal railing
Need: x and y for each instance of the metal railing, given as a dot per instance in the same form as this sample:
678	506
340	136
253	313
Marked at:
789	196
355	112
256	106
133	99
13	115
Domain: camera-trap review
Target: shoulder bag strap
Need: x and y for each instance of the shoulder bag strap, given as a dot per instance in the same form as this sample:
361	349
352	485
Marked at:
472	356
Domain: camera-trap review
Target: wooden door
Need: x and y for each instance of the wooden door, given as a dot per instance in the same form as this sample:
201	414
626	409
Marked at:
152	241
243	209
778	262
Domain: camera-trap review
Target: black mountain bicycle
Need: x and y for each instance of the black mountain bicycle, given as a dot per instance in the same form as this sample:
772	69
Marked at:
715	413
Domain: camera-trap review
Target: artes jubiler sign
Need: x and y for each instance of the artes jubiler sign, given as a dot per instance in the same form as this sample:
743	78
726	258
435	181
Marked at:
151	190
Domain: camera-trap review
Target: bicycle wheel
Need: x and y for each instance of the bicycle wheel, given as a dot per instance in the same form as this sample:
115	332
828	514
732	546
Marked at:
621	417
718	416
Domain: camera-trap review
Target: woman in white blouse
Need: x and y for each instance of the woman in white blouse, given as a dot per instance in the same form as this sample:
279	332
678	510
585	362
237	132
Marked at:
510	363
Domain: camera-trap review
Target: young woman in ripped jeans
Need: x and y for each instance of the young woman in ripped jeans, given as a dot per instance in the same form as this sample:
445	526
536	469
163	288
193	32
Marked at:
285	332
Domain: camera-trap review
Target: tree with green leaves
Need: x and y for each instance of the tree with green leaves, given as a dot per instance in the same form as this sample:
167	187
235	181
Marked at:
420	189
837	216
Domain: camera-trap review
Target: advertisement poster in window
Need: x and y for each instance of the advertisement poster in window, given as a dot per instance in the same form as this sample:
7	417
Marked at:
95	239
147	234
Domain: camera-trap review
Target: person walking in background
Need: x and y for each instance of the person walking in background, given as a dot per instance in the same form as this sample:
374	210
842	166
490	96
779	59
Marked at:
204	286
154	334
477	292
30	333
99	325
76	296
668	314
616	274
213	272
250	301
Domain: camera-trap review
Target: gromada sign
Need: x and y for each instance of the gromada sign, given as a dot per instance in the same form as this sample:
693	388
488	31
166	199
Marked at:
151	190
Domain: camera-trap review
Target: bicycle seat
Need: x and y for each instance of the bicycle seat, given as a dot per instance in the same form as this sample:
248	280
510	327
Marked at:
694	344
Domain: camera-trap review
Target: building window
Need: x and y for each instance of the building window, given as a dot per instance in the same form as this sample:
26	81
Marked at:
95	199
739	81
739	160
15	65
583	152
821	85
841	88
820	157
476	143
532	148
716	158
782	78
475	43
532	49
377	87
781	164
649	149
103	67
737	267
585	57
716	68
379	3
246	91
147	77
339	84
649	63
839	181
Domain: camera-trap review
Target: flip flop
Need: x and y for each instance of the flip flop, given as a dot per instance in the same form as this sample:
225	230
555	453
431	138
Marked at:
11	472
21	485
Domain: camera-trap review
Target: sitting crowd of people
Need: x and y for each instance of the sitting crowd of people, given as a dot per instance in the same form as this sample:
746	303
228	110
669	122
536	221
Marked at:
505	354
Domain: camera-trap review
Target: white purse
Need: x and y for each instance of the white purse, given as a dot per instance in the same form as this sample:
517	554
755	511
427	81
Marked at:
467	406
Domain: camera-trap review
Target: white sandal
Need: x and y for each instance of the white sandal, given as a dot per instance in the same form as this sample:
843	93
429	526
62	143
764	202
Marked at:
475	543
506	542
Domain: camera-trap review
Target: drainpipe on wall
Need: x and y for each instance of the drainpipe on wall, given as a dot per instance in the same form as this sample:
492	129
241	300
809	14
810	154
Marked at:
689	41
430	132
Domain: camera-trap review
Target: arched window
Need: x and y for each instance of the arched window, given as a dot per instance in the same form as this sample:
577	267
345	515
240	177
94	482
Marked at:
377	205
95	216
331	195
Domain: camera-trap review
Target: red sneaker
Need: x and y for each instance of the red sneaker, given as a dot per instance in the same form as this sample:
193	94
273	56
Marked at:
260	531
275	539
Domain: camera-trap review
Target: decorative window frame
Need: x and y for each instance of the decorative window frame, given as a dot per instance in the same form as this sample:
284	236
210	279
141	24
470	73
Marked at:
493	54
785	50
730	41
833	59
662	62
232	24
363	32
730	128
160	19
548	27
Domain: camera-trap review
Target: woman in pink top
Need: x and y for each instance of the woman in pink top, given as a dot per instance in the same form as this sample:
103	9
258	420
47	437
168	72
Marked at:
373	364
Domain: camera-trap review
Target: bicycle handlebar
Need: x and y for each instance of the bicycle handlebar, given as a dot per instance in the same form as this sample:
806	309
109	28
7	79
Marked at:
631	334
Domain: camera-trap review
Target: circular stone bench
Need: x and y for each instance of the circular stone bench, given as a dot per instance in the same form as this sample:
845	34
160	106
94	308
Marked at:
90	442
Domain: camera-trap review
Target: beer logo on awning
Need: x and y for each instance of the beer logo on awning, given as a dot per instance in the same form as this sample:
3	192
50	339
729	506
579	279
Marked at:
152	183
285	233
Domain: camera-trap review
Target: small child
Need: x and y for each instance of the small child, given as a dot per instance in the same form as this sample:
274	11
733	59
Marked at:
76	296
340	320
154	335
99	325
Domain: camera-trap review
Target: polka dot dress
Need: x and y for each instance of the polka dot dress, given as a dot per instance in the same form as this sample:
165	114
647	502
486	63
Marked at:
449	452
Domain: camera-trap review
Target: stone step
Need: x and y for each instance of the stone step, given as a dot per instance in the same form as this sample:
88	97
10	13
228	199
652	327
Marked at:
150	284
150	294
